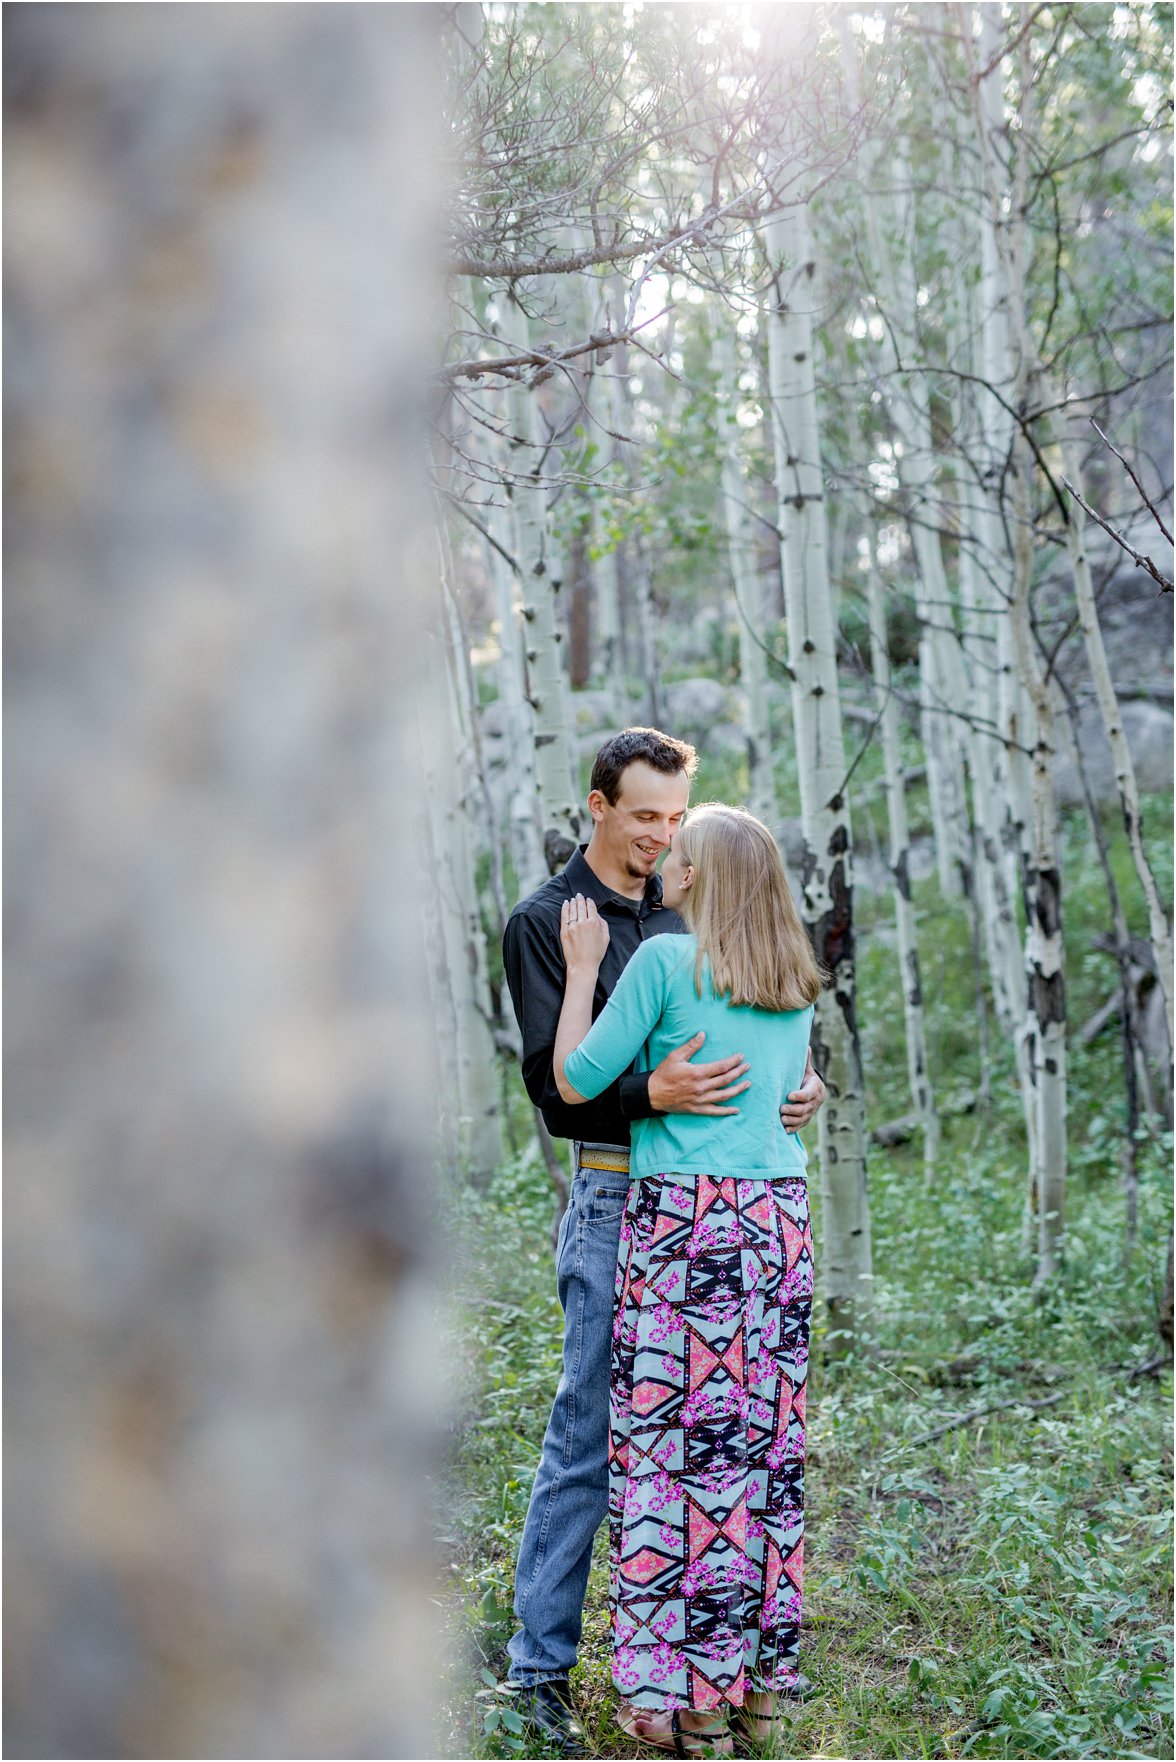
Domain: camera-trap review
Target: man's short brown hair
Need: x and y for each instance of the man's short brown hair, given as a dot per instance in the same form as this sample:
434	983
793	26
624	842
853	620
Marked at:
649	745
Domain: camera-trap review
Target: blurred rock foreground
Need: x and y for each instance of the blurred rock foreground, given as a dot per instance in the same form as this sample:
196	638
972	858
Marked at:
219	1118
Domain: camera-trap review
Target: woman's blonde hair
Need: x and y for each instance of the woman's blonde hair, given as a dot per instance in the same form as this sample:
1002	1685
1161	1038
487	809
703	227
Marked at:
741	910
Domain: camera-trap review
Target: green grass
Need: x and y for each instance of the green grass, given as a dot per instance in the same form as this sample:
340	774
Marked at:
1002	1590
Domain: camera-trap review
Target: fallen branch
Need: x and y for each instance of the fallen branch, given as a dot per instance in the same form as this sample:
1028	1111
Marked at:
1150	1369
902	1130
975	1413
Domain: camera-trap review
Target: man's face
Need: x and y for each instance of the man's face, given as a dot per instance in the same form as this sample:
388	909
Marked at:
633	832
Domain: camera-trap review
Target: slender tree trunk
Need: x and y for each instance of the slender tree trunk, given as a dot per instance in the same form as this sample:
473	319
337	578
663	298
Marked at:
608	398
904	911
1003	371
820	751
1108	703
518	730
1044	953
1046	1018
539	586
941	674
922	1094
647	636
579	612
1122	940
753	665
482	813
450	778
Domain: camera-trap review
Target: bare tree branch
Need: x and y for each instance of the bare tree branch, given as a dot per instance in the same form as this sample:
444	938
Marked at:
1143	562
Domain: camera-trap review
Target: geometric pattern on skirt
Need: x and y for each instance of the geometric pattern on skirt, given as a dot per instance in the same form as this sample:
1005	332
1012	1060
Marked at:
706	1447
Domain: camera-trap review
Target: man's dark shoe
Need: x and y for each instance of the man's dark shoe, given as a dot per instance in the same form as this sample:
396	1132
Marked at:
547	1711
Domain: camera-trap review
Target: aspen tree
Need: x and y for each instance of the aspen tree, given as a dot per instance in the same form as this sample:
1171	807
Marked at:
1033	717
539	586
1108	703
922	1094
749	596
820	752
908	404
994	869
451	782
607	399
524	833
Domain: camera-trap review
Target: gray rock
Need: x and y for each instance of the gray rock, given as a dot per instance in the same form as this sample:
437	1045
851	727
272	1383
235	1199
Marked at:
593	710
726	737
1148	727
871	871
693	707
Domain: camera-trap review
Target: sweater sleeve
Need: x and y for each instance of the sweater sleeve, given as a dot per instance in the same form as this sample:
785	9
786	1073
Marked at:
622	1027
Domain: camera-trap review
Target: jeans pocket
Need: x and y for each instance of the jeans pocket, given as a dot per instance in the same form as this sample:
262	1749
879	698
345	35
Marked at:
605	1205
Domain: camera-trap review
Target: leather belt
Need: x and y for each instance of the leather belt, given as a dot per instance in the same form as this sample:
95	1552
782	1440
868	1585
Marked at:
615	1162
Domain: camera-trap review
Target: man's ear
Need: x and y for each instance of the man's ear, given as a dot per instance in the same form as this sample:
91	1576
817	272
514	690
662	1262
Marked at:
597	802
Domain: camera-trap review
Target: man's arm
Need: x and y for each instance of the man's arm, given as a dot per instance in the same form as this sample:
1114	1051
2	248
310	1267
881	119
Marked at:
676	1085
534	967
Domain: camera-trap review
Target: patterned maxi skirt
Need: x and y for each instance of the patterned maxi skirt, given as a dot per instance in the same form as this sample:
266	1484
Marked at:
706	1447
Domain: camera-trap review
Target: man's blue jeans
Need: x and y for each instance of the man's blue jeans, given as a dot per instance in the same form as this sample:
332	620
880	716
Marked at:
569	1500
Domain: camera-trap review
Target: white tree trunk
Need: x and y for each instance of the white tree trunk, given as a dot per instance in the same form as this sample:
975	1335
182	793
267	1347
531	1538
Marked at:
922	1095
941	673
1012	807
609	400
524	832
753	665
539	586
453	805
1108	703
1044	952
820	751
1031	711
224	1376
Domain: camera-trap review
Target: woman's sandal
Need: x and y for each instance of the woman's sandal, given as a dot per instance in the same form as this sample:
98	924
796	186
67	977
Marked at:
755	1729
670	1734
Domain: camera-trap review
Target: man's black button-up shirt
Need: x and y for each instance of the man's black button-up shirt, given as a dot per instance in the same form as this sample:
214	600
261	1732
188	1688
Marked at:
535	973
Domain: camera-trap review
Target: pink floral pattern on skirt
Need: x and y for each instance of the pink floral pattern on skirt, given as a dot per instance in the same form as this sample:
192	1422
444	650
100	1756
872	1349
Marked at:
706	1447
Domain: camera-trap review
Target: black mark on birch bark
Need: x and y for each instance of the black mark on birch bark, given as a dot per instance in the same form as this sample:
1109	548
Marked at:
1049	997
833	936
902	875
1048	901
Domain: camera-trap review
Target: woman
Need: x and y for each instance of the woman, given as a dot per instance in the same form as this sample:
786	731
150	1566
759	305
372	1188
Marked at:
714	1294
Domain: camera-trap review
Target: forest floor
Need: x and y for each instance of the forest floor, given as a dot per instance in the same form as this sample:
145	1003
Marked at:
1002	1588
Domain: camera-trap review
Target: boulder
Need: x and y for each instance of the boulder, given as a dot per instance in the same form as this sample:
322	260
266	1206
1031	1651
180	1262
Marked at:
1148	727
693	707
594	710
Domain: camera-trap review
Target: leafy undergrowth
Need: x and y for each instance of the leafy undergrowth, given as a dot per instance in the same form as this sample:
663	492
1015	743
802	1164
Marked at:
1002	1589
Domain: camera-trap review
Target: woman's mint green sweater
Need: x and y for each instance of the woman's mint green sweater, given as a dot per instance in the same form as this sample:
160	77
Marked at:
656	1008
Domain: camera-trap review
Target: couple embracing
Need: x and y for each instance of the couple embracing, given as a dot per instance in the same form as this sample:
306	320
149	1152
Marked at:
684	1261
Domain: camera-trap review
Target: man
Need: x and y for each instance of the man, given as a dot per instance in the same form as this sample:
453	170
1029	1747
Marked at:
639	789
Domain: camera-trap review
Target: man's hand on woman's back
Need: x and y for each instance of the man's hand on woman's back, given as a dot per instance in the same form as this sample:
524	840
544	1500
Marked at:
677	1086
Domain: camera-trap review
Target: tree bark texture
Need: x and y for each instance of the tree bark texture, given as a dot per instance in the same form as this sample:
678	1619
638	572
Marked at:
221	1108
539	586
518	731
753	661
820	754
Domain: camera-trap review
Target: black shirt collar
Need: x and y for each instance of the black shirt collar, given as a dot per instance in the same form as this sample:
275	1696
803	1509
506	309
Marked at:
582	879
